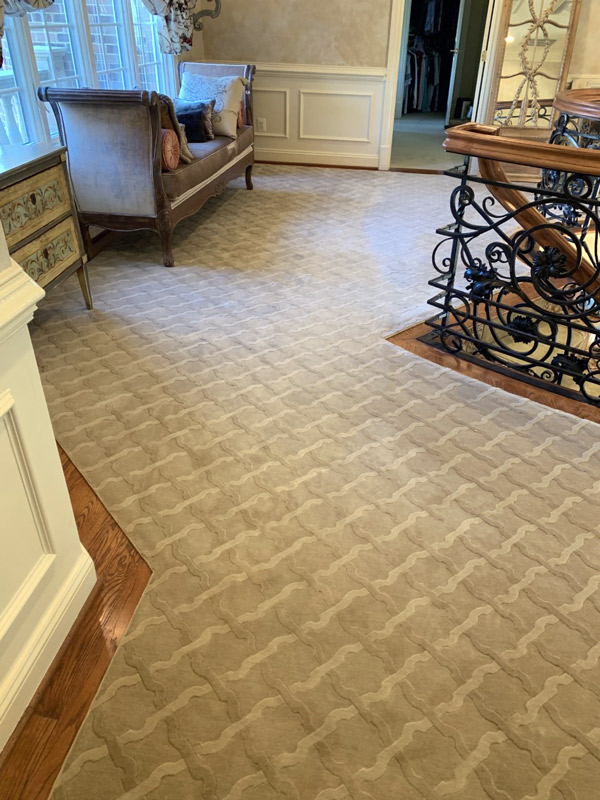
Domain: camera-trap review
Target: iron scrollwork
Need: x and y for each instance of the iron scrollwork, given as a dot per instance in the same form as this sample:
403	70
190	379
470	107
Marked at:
213	13
570	131
523	301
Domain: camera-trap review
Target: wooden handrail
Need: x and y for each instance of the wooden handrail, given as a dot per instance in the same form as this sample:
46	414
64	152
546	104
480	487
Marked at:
483	142
583	103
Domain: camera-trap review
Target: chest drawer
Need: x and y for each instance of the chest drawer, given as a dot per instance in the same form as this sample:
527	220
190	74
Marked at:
32	203
45	257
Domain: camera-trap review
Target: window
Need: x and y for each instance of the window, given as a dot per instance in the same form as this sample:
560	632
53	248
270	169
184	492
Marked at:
108	44
13	128
149	58
106	25
53	39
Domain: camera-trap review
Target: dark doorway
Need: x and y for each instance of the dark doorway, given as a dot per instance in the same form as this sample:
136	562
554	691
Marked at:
437	78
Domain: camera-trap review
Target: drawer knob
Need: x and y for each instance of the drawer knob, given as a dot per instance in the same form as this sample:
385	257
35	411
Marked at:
33	198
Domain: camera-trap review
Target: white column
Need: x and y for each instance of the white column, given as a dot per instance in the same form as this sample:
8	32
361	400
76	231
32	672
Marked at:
45	573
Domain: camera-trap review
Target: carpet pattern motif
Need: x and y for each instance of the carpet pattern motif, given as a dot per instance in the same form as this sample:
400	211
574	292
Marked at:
373	578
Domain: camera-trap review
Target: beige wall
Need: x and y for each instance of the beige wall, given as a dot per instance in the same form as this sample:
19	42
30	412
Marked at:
197	51
586	54
339	32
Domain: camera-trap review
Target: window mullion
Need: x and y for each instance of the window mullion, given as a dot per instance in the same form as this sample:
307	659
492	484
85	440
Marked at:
25	57
78	13
128	40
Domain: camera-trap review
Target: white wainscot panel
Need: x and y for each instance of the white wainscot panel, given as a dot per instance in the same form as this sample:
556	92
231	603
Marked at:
336	116
314	114
272	105
23	567
45	574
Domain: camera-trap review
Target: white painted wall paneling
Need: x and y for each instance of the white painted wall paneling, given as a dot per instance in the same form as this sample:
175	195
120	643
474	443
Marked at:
319	114
45	573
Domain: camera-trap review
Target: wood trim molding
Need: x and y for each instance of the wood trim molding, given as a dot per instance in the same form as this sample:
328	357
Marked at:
579	103
409	340
483	141
500	48
491	149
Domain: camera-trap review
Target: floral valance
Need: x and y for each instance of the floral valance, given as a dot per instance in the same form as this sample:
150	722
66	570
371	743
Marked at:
19	8
177	23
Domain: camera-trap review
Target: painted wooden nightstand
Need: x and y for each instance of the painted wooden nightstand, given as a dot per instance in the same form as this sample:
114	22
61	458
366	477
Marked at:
39	217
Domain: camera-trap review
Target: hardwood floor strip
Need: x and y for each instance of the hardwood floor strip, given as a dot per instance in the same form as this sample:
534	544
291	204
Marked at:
38	747
408	340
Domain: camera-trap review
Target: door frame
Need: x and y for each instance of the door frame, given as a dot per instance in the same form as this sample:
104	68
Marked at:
398	40
494	54
455	63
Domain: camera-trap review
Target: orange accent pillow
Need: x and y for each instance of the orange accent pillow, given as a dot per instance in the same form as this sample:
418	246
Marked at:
241	122
170	149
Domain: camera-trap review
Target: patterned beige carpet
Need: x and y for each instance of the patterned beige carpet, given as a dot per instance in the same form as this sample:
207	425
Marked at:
373	578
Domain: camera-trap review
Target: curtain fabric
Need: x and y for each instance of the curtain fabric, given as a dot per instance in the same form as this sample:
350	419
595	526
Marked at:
177	23
19	8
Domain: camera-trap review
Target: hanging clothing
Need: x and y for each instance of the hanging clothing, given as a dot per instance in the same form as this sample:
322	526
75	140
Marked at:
428	44
421	78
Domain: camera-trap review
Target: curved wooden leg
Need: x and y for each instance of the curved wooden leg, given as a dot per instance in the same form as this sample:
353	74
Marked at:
165	231
249	184
87	240
84	283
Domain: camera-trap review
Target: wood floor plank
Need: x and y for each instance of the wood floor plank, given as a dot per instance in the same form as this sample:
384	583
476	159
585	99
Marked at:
37	749
38	734
409	340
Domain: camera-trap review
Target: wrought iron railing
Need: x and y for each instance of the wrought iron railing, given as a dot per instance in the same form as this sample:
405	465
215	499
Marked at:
518	286
572	130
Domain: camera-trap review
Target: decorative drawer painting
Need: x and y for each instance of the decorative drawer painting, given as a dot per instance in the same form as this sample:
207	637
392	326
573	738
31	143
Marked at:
30	204
52	252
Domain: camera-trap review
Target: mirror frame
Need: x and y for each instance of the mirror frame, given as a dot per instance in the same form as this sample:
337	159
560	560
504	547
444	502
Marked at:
499	61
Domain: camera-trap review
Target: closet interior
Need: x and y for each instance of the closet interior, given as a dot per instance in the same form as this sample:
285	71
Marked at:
437	78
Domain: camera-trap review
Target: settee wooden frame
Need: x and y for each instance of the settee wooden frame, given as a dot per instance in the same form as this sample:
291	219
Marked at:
168	213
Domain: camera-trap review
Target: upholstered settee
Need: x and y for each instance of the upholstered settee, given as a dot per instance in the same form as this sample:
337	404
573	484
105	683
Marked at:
113	141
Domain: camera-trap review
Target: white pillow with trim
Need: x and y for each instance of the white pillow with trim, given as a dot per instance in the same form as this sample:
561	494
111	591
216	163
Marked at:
227	92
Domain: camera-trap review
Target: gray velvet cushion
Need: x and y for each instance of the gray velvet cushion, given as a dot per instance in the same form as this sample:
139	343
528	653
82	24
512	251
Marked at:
209	157
197	117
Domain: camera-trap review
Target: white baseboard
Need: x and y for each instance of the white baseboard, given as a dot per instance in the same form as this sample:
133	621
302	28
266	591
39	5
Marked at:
385	156
30	666
279	155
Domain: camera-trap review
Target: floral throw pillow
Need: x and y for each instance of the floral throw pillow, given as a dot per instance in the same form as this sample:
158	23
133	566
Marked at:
227	92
